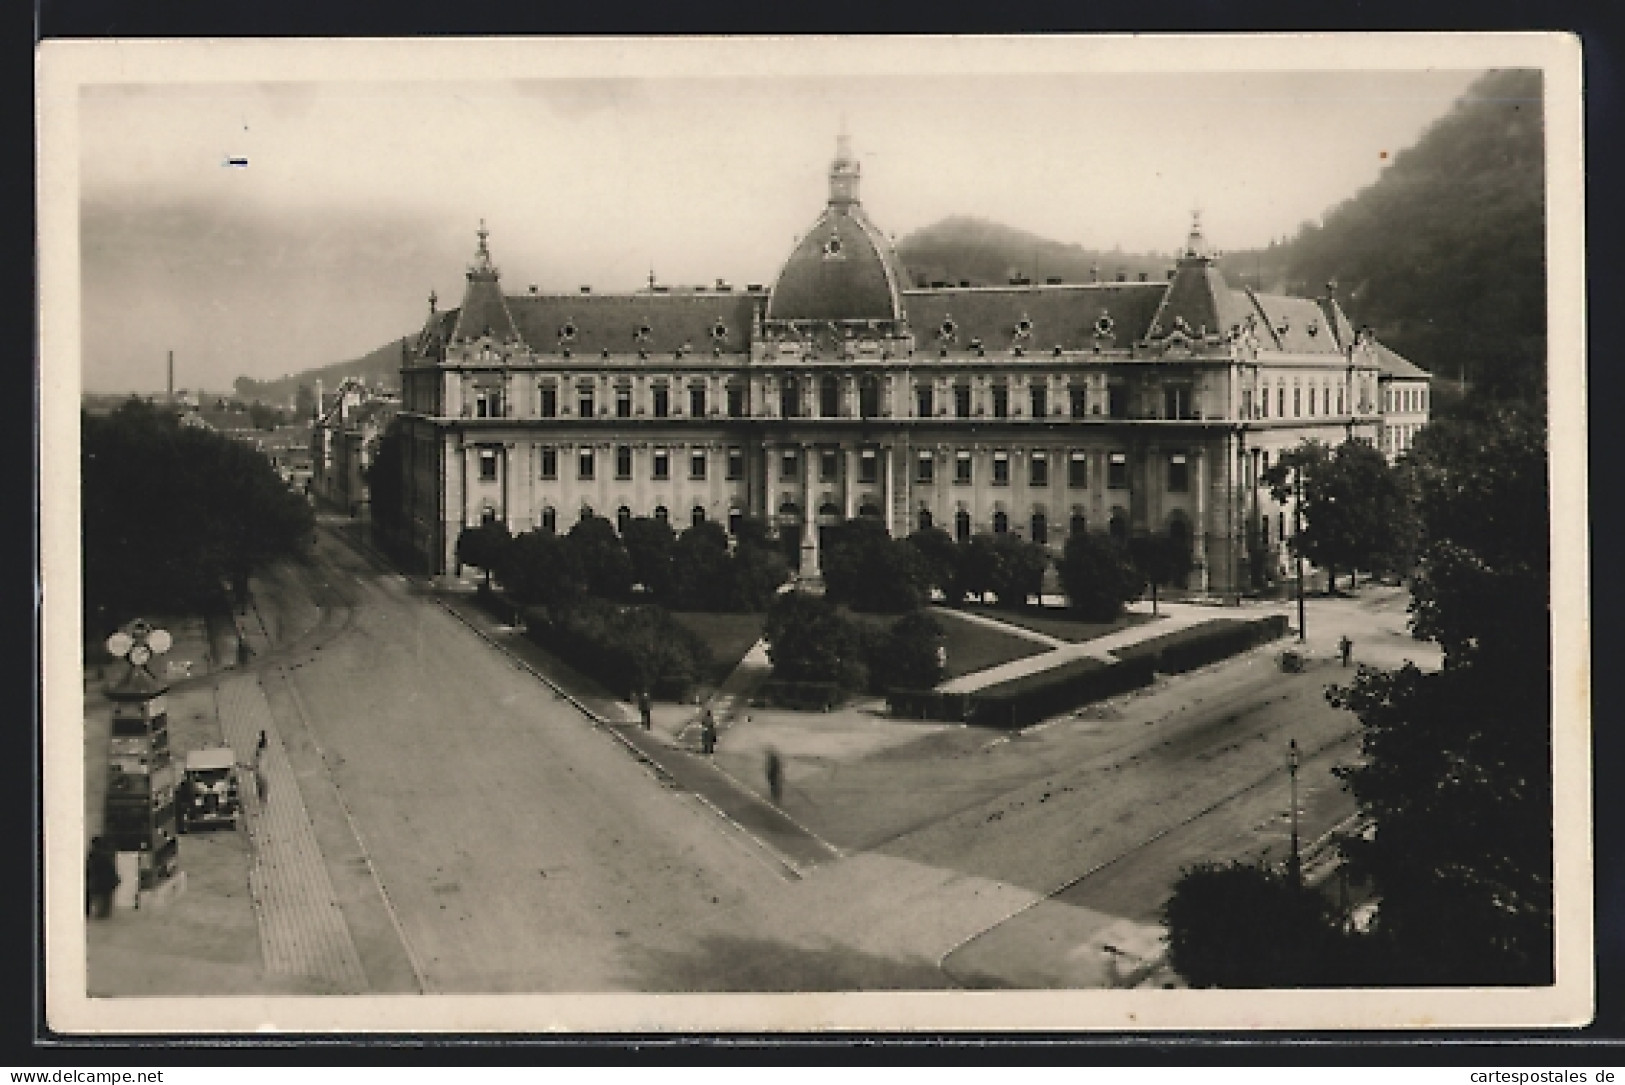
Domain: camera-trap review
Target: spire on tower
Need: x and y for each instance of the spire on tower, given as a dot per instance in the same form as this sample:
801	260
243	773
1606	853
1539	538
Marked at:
843	172
482	265
1195	244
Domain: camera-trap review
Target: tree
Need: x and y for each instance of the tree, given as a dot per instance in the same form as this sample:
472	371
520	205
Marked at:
756	573
540	568
1160	559
174	515
865	568
702	569
483	546
909	656
1245	925
1354	505
809	641
1018	570
1097	576
650	546
386	489
602	559
939	557
1456	766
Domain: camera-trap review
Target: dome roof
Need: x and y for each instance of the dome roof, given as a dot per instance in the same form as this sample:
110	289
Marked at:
844	269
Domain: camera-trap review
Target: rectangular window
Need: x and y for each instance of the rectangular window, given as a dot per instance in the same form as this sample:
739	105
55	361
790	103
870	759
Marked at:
925	468
1264	402
1176	401
962	468
1077	470
549	401
1001	468
1080	400
736	463
789	398
696	401
1246	403
1001	401
662	465
488	465
623	401
584	464
696	465
829	465
1178	473
1297	403
924	401
961	401
550	462
868	467
623	461
788	466
1326	401
585	397
1040	400
662	401
1280	401
1340	401
1311	402
1117	401
1117	471
736	401
1038	468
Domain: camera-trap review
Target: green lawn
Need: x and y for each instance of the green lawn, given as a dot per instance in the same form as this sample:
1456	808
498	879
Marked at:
1056	622
729	636
971	647
974	647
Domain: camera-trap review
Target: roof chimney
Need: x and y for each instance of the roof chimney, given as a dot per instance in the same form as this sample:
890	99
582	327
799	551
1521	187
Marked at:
586	289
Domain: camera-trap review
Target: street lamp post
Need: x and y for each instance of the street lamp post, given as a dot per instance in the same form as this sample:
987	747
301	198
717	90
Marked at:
1297	547
1294	862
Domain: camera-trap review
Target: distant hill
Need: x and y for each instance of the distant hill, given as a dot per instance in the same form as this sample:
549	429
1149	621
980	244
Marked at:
964	249
380	368
1444	254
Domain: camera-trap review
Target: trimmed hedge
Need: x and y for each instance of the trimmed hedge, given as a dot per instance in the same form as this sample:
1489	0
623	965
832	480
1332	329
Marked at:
803	696
1026	700
1187	649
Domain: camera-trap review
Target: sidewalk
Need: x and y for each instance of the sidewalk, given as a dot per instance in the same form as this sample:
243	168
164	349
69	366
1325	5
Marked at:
302	931
1175	616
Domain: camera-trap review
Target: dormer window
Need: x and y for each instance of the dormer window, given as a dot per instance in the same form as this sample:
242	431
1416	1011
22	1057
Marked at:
567	333
643	333
948	328
1104	325
832	247
719	330
1024	328
1313	327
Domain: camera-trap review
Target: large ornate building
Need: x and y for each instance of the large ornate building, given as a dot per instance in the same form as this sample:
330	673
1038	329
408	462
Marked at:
845	390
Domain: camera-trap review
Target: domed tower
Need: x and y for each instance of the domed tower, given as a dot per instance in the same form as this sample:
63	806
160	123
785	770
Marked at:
843	274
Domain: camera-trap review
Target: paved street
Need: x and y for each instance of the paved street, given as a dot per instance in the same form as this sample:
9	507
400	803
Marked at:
476	832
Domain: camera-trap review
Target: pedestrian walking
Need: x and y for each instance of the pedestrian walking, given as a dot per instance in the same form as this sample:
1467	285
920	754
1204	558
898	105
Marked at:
775	776
262	783
1345	648
708	733
645	709
101	878
259	751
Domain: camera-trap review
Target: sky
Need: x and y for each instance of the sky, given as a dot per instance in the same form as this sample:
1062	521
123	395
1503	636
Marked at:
360	196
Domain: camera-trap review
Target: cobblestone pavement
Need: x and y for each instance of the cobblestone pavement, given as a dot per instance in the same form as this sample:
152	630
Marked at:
302	931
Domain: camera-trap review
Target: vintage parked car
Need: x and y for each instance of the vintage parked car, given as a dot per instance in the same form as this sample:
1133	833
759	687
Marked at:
208	792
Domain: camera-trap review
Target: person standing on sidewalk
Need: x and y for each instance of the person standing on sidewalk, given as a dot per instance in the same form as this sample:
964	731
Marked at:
708	733
775	775
101	878
1345	648
645	709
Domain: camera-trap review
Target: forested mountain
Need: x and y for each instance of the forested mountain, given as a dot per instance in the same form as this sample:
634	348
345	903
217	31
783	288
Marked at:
1444	255
964	249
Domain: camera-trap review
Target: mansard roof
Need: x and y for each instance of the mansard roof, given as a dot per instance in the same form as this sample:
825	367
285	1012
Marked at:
699	320
1036	318
1391	364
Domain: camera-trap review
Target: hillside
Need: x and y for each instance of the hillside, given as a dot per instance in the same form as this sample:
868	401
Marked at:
1445	253
966	249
